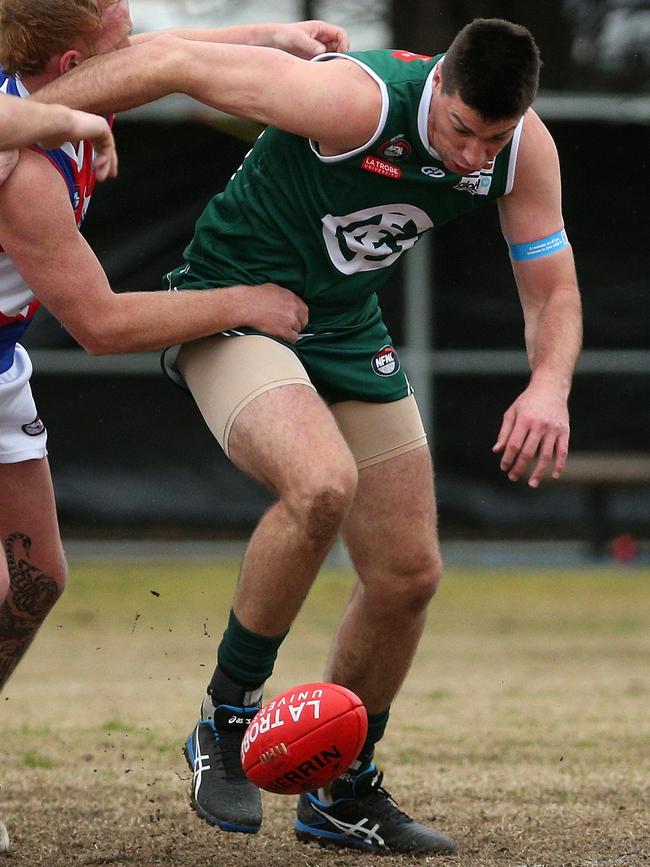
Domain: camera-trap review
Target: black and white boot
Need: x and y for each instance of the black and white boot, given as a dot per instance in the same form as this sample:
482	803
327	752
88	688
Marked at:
220	792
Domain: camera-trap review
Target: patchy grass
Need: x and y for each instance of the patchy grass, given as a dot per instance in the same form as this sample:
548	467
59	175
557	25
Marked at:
522	729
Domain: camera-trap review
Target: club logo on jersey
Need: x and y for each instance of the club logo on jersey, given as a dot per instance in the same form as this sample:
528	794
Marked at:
34	428
385	362
381	167
372	238
396	148
409	56
433	172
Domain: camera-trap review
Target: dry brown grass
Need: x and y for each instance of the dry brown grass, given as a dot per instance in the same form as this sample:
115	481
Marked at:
523	730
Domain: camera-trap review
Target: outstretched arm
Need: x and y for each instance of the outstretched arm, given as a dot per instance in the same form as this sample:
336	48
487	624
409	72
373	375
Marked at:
23	122
335	102
38	231
537	423
305	39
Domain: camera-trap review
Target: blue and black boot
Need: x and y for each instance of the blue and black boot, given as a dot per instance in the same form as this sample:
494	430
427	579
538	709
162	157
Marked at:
359	813
220	792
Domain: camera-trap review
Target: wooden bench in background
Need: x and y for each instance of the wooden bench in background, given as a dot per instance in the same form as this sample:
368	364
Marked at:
600	473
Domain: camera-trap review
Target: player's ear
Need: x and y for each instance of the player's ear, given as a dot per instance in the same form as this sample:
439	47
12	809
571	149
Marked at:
437	78
70	59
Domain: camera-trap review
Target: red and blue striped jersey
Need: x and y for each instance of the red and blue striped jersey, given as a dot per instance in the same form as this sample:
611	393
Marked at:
18	304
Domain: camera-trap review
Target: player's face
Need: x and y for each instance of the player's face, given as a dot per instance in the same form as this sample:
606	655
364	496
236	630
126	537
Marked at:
116	27
459	134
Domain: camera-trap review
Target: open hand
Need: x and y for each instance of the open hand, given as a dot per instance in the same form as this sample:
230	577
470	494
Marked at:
537	424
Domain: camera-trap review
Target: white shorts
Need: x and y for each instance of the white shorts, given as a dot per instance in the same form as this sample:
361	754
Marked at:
22	434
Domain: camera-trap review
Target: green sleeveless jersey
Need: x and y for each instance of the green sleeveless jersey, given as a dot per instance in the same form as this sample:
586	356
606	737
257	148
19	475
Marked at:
332	229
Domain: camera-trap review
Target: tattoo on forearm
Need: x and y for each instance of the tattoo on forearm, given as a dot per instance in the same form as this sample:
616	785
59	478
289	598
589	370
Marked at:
31	596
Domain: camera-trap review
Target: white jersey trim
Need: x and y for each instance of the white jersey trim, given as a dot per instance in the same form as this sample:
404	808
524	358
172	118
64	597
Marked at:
22	90
512	162
423	113
332	55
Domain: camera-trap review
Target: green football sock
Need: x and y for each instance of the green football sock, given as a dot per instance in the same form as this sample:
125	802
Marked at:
377	723
246	657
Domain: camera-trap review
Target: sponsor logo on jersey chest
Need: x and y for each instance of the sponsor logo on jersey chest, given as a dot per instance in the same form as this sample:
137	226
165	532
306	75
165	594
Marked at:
479	183
385	362
433	172
381	167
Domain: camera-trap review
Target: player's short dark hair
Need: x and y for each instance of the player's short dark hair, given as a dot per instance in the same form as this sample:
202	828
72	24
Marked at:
493	65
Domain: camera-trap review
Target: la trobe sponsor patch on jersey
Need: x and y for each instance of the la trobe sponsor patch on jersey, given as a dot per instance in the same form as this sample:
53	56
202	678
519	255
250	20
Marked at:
386	361
381	167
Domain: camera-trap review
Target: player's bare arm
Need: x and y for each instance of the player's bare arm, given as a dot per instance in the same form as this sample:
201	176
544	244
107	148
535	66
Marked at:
305	39
23	122
39	233
334	102
537	423
80	126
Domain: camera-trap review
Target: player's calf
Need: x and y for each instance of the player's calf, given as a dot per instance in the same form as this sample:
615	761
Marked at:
28	595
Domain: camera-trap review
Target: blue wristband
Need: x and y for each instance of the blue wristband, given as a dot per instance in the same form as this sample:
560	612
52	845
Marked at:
537	249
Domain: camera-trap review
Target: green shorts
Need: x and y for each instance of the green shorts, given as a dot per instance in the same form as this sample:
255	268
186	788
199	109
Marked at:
347	353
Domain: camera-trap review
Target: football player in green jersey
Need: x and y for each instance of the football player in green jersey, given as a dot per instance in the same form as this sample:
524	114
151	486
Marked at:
364	153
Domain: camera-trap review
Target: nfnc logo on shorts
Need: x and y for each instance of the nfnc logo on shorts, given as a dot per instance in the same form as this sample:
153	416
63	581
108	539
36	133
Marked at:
34	428
386	361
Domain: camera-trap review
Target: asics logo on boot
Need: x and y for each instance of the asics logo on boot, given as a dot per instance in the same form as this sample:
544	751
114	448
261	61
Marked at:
360	829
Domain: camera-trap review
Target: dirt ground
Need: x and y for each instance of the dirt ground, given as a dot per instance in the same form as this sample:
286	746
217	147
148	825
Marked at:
523	730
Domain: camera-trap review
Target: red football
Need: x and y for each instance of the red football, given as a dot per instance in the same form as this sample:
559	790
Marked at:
304	738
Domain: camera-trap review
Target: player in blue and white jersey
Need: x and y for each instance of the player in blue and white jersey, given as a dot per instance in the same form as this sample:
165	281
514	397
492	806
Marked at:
44	259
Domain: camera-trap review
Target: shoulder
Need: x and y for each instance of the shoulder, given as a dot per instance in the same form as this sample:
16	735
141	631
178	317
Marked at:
537	158
35	191
35	166
396	67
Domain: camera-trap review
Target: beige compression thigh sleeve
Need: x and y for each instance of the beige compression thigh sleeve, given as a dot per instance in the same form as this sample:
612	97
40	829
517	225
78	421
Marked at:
376	432
225	374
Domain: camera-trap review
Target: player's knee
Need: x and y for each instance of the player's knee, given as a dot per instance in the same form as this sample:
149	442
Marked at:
47	585
4	583
60	574
324	499
416	584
